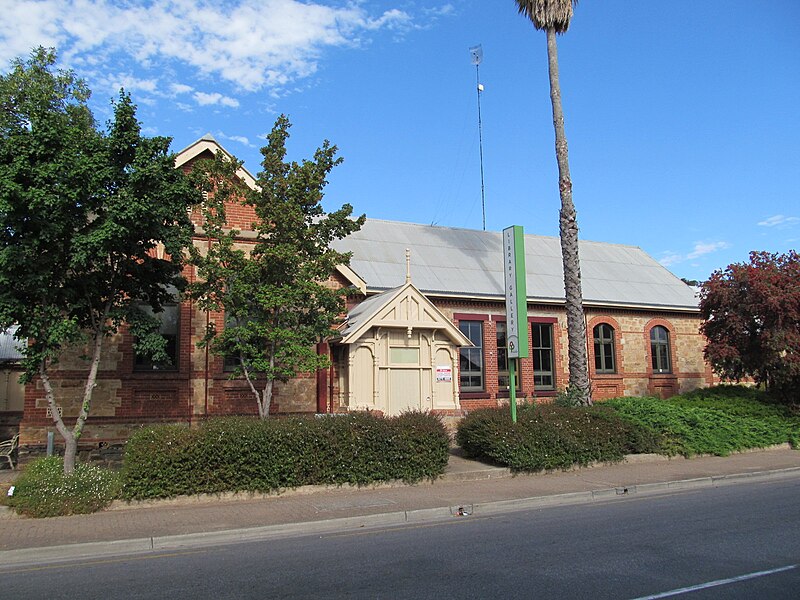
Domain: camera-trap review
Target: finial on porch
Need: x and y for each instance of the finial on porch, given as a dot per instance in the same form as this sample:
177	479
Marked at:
408	265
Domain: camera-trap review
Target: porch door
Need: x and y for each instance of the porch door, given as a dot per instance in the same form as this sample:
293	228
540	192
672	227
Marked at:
405	390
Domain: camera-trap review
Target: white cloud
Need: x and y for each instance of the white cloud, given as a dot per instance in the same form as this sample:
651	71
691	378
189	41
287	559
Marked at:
780	221
700	249
204	99
252	44
180	88
670	258
440	11
132	83
235	138
393	19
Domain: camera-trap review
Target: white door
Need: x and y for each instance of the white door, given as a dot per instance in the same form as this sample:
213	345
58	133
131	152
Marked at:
405	390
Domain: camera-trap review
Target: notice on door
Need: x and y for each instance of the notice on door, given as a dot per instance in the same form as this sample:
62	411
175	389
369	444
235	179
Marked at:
444	373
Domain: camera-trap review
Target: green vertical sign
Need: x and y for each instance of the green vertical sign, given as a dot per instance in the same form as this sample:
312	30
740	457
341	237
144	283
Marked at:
516	292
516	305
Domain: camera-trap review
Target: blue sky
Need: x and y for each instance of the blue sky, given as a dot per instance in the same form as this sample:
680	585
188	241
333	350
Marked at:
683	117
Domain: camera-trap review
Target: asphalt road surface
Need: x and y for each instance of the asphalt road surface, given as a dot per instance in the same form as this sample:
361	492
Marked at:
734	541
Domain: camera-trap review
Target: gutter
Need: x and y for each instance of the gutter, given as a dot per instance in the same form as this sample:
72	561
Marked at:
549	301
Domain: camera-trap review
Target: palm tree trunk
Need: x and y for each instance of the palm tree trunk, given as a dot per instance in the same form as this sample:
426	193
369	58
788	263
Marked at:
568	225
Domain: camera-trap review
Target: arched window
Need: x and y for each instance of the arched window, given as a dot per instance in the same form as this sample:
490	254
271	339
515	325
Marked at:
604	349
659	349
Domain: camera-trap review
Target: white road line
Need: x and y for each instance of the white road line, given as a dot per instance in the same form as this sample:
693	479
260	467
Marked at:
716	583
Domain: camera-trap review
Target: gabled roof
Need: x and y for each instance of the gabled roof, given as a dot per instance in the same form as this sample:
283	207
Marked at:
449	262
404	307
207	143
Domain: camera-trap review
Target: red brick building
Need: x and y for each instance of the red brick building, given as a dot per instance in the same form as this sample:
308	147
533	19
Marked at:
424	332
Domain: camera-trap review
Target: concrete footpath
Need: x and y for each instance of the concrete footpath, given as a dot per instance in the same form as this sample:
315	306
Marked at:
468	489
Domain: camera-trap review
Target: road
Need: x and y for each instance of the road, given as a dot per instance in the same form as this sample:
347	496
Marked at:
734	541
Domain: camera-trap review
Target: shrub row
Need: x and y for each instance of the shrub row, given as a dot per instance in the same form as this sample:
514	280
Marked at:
42	489
705	424
551	437
241	454
737	400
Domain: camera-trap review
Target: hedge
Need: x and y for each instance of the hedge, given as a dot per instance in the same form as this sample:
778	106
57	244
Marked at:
244	454
551	437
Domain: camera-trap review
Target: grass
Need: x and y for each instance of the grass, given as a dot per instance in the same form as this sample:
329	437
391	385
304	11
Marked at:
43	490
717	420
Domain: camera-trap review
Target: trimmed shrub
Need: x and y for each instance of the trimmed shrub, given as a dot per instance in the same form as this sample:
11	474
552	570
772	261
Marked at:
42	489
551	437
422	446
245	454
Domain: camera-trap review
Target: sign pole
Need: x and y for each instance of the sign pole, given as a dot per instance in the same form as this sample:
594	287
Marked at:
513	391
516	305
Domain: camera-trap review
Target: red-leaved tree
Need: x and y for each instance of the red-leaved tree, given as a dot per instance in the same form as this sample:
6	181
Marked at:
751	315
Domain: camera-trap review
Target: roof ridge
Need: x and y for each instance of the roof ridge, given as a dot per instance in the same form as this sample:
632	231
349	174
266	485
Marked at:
492	232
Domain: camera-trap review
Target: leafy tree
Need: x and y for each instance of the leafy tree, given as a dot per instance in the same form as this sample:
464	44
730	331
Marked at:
554	16
273	292
92	224
751	315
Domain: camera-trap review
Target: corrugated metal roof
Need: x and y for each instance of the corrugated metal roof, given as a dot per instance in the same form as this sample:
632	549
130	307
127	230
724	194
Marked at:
367	309
466	262
9	346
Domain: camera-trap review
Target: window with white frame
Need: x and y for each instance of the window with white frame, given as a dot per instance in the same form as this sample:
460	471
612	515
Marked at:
471	363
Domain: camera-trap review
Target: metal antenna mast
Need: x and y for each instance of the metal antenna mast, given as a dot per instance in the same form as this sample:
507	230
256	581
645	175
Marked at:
476	52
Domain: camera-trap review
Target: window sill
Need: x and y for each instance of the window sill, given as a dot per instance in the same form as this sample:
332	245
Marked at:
157	374
474	395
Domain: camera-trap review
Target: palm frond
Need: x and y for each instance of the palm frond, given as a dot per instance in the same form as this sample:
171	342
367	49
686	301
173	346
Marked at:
548	14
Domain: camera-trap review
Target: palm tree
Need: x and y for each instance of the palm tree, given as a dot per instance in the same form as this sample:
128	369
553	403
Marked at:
553	16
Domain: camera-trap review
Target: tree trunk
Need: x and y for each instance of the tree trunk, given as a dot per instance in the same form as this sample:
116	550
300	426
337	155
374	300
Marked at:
266	400
269	385
253	389
71	437
568	225
70	443
91	383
